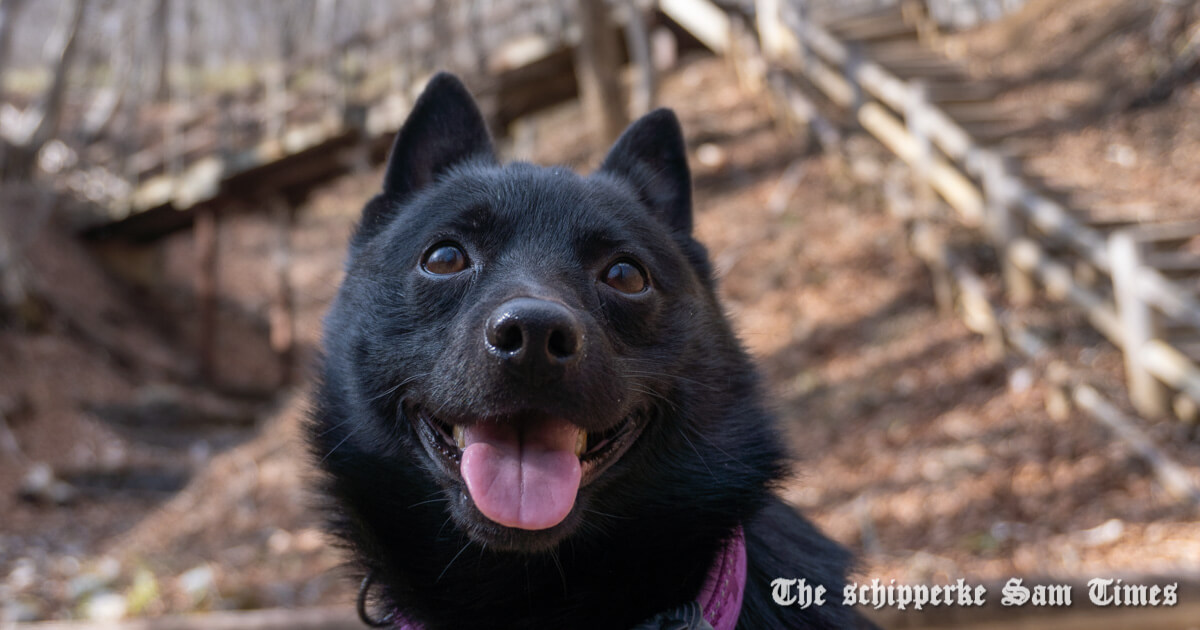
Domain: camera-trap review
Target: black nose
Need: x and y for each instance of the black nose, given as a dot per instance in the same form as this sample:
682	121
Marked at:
539	336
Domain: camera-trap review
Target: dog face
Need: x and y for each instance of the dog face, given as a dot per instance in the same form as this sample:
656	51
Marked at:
512	342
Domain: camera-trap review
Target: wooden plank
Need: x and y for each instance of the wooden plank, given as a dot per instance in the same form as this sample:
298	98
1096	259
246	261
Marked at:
1138	324
952	185
878	31
703	19
858	18
1174	263
271	619
1168	297
1054	220
1172	366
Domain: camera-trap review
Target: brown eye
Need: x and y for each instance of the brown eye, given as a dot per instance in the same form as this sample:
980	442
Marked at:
445	259
625	277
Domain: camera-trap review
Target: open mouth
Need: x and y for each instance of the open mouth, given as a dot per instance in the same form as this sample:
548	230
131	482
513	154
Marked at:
523	471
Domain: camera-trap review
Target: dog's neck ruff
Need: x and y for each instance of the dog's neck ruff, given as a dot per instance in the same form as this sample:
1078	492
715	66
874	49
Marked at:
719	602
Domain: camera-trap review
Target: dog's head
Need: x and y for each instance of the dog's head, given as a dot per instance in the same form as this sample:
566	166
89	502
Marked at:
511	342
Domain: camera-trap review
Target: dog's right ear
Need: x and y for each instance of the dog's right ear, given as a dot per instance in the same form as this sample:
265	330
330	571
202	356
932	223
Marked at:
652	157
444	129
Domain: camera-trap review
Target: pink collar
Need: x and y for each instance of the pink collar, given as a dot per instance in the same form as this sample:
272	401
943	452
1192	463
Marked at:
720	598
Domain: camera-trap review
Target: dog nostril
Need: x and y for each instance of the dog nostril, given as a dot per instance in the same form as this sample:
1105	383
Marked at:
509	337
562	344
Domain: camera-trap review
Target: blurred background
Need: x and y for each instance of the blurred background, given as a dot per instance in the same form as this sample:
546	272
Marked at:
961	237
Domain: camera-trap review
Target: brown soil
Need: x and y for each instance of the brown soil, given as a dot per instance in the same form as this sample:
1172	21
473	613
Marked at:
929	458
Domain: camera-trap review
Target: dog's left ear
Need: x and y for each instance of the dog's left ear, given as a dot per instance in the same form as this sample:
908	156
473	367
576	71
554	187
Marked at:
651	156
444	129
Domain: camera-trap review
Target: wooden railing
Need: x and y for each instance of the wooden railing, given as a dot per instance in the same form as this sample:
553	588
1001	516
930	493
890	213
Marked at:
1132	283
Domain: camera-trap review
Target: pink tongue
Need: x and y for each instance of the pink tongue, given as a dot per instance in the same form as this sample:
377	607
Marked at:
524	477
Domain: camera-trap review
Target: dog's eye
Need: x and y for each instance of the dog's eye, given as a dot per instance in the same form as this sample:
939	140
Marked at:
444	259
626	277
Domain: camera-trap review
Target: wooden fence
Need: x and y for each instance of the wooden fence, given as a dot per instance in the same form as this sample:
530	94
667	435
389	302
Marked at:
1136	284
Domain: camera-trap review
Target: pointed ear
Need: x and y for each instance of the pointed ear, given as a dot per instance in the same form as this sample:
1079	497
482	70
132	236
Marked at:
444	129
651	156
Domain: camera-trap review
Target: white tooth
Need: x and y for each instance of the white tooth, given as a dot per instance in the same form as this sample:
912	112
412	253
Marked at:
581	443
459	436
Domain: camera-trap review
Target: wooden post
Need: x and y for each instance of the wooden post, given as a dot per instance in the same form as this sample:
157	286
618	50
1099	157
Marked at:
924	198
746	59
282	320
597	68
915	119
930	247
1138	324
770	29
854	60
637	38
206	235
792	15
1002	222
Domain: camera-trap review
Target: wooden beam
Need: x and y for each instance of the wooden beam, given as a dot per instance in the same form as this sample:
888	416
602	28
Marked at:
703	19
271	619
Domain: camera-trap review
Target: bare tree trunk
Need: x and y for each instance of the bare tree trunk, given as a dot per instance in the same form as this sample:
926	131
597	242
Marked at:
18	298
9	10
162	39
19	160
111	101
56	95
598	68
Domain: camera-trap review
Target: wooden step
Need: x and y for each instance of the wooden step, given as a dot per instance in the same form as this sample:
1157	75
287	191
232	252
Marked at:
1175	264
993	132
976	92
980	112
881	31
940	70
834	19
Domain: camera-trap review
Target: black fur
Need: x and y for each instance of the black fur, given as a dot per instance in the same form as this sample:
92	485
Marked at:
643	534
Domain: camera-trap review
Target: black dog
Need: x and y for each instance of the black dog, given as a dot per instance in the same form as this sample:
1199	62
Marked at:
532	411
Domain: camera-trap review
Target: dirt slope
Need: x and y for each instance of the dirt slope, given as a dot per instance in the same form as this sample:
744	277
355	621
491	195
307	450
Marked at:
930	459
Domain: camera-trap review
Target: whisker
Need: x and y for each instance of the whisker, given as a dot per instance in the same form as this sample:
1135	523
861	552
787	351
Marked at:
561	574
336	446
460	552
698	455
428	501
606	514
